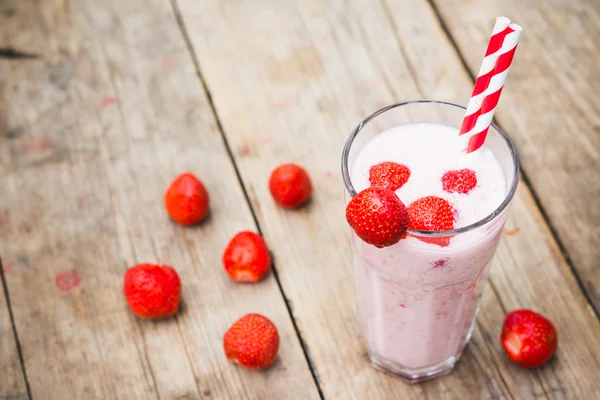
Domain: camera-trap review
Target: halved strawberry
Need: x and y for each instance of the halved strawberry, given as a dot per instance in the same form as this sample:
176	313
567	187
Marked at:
431	213
461	181
528	338
389	175
377	216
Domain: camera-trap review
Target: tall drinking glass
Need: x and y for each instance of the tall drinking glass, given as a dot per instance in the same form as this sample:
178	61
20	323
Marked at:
417	304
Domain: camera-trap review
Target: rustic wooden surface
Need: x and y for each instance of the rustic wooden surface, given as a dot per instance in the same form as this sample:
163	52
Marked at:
93	129
96	128
12	383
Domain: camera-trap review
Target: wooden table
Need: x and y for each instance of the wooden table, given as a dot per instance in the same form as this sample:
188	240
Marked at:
102	103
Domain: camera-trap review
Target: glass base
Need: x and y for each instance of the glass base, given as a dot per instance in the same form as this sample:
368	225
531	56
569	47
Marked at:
411	375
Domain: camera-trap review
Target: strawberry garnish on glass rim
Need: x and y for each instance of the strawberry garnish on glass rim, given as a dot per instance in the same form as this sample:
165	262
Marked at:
377	216
434	214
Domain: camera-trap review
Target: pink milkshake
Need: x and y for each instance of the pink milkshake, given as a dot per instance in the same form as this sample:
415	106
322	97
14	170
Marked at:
417	300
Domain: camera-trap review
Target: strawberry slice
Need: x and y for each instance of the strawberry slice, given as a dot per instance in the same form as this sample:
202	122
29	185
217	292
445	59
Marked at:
431	213
460	181
377	216
528	338
389	175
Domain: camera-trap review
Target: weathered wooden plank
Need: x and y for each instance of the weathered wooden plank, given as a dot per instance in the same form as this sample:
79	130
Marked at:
12	381
295	100
553	102
96	128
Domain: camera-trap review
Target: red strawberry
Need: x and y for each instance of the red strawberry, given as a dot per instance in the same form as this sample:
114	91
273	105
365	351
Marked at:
186	200
431	213
461	181
152	291
528	338
290	186
246	258
389	175
377	216
252	342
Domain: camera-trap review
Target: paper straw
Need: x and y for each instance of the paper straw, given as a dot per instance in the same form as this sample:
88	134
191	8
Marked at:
489	83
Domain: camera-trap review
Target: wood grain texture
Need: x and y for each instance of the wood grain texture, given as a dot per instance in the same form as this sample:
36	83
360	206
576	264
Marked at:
12	381
289	82
552	102
96	128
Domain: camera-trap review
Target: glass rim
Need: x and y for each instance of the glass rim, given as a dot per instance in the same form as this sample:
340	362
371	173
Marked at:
467	228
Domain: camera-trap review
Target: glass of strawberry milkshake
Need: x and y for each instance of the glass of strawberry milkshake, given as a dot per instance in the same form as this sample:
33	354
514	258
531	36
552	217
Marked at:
418	287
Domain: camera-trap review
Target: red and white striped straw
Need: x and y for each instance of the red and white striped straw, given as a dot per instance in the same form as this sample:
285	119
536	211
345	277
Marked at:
489	83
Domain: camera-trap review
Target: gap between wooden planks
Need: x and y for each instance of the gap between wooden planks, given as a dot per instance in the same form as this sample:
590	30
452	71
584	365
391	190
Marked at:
295	78
555	107
96	127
